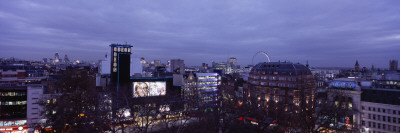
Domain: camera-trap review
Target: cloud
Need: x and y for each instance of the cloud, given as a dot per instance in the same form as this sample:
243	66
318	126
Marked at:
327	33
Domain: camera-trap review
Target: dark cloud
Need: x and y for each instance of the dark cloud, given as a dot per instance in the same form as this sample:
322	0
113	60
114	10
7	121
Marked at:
327	33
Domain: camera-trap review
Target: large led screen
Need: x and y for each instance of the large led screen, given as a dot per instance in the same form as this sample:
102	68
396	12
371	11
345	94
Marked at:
145	89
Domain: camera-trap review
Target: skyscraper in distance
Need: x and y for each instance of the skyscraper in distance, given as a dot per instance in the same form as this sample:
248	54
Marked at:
393	65
56	58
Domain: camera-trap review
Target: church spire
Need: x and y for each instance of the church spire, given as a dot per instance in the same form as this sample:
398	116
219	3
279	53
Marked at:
357	66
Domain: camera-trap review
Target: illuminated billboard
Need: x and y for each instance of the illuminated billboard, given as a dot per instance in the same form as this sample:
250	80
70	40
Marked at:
145	89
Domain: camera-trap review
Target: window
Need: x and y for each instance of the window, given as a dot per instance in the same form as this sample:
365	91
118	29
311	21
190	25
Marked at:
362	107
369	108
383	126
281	99
379	125
394	120
373	109
379	109
379	117
281	92
369	124
383	118
394	111
271	91
369	116
389	119
383	110
281	84
373	117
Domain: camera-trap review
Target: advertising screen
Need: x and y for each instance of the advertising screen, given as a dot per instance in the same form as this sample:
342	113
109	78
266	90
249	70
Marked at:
145	89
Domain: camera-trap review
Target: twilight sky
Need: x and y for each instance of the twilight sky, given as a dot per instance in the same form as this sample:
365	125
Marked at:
325	32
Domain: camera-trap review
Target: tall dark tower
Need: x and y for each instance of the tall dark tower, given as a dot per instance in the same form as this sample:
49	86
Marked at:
120	69
373	68
357	66
120	63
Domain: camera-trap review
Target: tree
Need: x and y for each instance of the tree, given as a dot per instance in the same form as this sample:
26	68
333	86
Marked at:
75	108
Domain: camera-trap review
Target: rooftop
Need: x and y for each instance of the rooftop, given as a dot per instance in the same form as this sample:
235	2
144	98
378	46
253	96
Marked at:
281	68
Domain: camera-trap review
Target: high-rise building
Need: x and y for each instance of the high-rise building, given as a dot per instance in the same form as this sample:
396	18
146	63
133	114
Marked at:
120	69
56	58
66	59
393	65
177	66
120	63
232	61
231	65
201	90
207	87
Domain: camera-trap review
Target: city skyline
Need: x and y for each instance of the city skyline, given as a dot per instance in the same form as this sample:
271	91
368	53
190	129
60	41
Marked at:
326	33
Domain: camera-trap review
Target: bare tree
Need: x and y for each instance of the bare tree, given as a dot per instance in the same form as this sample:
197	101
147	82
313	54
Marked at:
75	107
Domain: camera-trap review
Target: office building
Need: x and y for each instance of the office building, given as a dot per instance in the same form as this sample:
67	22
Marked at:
201	90
13	100
282	86
380	110
34	110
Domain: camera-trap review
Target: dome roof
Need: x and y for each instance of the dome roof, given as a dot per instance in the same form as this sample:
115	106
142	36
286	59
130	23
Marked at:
281	68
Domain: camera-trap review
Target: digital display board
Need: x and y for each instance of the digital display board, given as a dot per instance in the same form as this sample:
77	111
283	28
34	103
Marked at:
145	89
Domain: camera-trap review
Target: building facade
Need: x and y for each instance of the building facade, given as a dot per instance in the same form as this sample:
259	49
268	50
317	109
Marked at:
345	93
380	110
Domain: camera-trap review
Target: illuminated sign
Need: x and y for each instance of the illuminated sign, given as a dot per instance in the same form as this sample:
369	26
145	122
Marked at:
145	89
14	128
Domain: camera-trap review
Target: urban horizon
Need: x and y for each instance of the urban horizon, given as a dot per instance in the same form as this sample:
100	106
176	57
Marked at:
258	58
